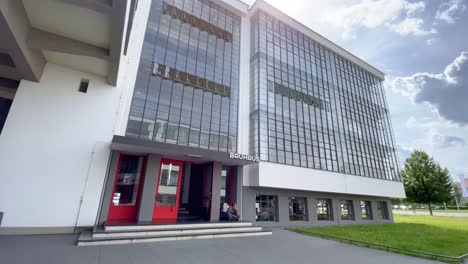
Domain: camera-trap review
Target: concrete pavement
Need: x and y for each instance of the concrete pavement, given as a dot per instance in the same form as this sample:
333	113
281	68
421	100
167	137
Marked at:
282	247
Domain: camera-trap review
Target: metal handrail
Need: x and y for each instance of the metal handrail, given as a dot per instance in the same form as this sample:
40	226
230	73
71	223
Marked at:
351	241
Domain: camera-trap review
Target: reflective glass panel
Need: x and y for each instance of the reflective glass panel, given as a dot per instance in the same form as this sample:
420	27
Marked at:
168	181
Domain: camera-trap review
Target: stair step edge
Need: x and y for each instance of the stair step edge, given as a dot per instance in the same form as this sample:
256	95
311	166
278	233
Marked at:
160	233
175	226
111	241
174	229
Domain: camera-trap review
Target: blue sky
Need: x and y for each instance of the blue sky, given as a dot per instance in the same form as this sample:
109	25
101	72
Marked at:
422	47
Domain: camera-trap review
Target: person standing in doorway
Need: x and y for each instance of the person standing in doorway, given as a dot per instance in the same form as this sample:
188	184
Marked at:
233	213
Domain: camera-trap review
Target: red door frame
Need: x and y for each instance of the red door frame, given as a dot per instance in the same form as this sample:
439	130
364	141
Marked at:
168	213
126	213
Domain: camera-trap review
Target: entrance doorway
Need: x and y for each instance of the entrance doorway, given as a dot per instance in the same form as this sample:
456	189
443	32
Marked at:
198	205
127	189
167	197
199	191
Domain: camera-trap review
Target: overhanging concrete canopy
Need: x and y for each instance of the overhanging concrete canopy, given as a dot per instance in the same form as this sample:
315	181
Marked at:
32	30
14	29
116	10
43	40
173	151
103	6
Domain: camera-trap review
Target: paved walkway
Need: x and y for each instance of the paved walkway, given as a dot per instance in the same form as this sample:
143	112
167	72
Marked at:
434	213
282	247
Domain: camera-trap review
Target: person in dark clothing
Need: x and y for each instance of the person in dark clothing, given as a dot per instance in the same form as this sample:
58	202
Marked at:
223	216
232	213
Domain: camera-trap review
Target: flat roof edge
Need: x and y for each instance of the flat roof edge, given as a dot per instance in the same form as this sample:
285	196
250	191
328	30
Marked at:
236	6
268	8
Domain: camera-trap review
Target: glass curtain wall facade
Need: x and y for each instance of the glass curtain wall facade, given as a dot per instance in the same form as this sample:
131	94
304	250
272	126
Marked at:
312	108
187	84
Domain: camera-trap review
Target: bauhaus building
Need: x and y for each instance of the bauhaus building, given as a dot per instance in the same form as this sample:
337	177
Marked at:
124	111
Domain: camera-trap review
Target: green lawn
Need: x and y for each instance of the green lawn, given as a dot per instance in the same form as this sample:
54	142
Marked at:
439	235
464	211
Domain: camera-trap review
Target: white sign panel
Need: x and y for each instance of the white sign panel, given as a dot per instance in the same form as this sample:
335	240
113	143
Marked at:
238	156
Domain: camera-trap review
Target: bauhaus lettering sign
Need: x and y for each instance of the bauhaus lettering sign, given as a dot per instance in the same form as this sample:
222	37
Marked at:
233	155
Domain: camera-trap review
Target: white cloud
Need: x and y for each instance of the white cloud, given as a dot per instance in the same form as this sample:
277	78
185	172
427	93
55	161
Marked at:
411	26
429	122
448	10
412	8
440	141
447	92
396	15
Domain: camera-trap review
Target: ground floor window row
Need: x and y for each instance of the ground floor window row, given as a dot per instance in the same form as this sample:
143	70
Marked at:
266	209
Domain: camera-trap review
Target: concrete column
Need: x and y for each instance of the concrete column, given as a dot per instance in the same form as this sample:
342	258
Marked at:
357	210
282	210
312	209
187	174
109	185
374	210
390	211
237	189
336	209
248	204
215	197
148	193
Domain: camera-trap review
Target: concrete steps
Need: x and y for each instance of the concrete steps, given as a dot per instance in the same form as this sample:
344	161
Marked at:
112	235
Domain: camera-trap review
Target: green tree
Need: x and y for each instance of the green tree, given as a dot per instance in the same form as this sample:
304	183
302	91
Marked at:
425	181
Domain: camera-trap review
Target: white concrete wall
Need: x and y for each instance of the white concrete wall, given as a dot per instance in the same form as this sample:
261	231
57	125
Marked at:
55	142
55	146
297	178
244	93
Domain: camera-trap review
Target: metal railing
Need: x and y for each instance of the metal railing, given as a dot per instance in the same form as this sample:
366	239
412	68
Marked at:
437	257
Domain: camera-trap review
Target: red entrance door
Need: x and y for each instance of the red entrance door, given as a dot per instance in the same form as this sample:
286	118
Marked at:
127	188
166	203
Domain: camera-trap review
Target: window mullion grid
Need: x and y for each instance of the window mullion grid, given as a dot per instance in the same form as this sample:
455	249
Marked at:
396	173
172	82
380	129
363	117
305	108
149	80
337	136
344	106
330	113
386	129
369	131
314	84
377	129
357	115
302	71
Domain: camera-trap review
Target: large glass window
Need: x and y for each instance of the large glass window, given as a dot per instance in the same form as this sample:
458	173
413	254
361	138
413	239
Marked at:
347	210
366	210
227	185
324	210
382	210
128	179
266	207
167	189
297	208
313	108
187	85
